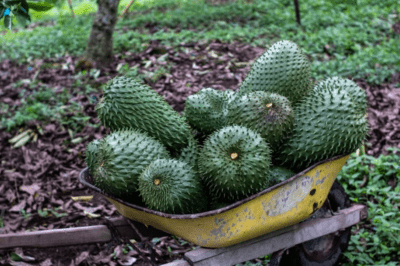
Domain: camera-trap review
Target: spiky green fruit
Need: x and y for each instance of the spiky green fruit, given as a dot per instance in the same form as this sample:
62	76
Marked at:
279	174
127	103
327	123
269	114
122	156
190	153
234	163
282	69
356	93
171	186
218	205
206	110
91	154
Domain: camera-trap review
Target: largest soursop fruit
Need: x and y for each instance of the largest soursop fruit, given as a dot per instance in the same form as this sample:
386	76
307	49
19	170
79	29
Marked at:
234	163
327	123
127	103
122	156
269	114
171	186
282	69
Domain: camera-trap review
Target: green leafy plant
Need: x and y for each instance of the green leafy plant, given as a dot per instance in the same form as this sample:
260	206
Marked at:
1	218
20	10
46	212
24	214
365	180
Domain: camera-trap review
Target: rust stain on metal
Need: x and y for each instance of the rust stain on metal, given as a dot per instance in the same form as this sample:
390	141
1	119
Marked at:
202	241
249	214
224	230
321	181
218	231
288	197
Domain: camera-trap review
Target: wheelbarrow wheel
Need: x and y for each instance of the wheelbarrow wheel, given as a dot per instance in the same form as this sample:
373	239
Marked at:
325	250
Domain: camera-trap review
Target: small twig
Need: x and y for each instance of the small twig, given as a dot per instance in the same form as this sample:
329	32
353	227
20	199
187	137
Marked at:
70	6
16	189
113	230
144	240
365	180
125	9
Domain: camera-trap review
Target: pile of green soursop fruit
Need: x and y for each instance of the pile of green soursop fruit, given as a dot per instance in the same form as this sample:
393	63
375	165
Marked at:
226	145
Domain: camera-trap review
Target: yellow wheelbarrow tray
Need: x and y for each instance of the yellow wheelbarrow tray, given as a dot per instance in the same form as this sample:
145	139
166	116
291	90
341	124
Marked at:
279	206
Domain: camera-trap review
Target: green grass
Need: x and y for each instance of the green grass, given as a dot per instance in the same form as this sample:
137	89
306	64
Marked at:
357	37
380	243
44	104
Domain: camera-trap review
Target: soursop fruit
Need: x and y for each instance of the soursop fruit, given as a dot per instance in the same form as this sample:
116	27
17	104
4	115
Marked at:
190	153
279	174
127	103
282	69
122	156
269	114
218	205
327	123
356	93
91	154
234	163
171	186
206	110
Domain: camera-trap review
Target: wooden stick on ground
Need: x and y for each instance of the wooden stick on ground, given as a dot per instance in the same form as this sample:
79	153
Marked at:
57	237
143	240
66	236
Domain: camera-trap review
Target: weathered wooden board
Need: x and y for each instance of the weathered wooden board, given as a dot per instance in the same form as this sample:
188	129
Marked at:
74	236
57	237
68	236
177	263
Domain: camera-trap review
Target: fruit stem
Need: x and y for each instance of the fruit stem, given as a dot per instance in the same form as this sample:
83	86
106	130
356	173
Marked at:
234	155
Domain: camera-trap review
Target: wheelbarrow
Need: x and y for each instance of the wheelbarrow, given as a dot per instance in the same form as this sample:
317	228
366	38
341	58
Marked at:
304	220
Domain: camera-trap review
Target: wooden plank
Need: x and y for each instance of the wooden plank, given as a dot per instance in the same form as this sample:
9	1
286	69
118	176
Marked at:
177	263
98	233
275	241
57	237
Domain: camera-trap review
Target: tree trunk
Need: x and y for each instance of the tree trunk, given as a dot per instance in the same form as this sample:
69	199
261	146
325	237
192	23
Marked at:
99	50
